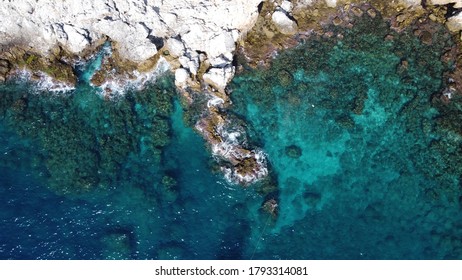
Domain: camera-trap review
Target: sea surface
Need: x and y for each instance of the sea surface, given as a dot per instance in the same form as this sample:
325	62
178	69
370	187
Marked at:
364	151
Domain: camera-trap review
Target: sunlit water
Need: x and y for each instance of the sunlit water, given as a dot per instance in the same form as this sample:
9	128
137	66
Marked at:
366	163
366	160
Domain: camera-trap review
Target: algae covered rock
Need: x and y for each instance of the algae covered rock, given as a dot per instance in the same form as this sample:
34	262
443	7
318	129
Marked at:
87	141
293	151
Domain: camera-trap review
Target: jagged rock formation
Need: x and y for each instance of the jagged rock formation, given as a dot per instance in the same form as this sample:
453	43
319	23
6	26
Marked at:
457	3
196	33
197	37
282	19
140	27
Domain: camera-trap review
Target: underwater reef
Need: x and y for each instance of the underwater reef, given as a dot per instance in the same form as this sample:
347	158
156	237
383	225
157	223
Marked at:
356	125
87	142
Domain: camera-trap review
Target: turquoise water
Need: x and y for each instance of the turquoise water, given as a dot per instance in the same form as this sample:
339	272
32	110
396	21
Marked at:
365	166
85	178
366	158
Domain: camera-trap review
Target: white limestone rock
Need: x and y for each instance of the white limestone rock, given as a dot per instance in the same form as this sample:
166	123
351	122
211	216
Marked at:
236	34
190	61
184	61
286	6
132	40
331	3
77	24
219	77
181	77
454	23
412	3
176	47
305	3
458	3
284	24
221	61
223	43
77	38
193	65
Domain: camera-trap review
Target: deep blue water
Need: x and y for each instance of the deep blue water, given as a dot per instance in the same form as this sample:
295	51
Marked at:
203	218
366	159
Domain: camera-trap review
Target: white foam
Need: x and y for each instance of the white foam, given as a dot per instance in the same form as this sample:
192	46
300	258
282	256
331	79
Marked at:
232	176
230	136
120	86
44	83
233	136
448	93
47	83
222	149
228	174
215	101
230	149
114	87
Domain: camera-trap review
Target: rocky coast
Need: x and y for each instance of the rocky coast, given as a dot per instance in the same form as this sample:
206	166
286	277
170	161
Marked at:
196	40
332	129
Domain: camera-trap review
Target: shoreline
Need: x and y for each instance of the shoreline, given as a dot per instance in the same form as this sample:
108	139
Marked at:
202	58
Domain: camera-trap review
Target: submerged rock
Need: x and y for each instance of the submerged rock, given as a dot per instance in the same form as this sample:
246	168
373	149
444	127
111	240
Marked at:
285	77
271	207
293	151
312	198
87	141
117	244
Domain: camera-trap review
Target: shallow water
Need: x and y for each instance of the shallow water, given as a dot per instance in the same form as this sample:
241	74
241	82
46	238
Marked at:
356	144
197	216
367	163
